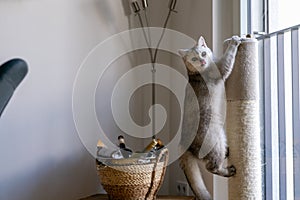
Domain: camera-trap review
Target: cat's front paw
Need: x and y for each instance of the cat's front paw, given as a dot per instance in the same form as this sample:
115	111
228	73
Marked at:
236	40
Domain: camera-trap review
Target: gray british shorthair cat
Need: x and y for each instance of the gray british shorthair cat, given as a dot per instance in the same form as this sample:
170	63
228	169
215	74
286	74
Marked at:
206	77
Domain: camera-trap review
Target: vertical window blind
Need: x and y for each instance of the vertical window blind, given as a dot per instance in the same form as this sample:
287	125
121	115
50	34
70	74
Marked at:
281	113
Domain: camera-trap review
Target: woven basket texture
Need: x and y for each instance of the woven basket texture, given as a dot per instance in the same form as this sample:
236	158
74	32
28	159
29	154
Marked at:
133	181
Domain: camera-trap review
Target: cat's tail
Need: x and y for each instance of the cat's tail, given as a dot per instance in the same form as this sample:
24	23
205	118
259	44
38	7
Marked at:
189	164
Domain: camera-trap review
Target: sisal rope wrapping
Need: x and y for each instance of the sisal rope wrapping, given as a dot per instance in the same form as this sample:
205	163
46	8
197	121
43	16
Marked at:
243	125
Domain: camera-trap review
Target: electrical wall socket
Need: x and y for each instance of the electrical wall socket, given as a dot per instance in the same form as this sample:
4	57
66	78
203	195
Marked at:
182	188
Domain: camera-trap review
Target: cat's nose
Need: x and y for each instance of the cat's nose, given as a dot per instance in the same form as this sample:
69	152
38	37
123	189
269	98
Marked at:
202	62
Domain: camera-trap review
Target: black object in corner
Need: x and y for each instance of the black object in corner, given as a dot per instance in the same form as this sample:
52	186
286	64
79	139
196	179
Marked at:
12	73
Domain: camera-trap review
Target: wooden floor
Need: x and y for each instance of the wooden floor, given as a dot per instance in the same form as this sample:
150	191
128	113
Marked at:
104	197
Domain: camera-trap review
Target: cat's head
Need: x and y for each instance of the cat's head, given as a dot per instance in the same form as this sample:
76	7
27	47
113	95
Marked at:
198	58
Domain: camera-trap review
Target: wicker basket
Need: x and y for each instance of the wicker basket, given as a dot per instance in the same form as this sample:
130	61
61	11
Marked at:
130	180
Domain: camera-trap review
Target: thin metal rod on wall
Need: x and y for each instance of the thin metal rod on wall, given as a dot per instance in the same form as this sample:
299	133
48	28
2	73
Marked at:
153	56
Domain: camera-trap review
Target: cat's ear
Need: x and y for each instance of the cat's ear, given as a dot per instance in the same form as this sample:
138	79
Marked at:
201	42
182	52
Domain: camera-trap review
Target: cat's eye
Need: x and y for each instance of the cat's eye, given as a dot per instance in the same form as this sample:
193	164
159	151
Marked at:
194	59
203	54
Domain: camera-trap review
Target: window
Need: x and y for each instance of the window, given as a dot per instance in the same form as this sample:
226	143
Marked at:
283	14
279	20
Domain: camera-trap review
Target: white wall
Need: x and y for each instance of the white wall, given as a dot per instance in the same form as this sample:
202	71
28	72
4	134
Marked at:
41	154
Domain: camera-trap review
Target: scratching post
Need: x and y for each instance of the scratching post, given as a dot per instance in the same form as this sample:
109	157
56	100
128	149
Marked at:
243	127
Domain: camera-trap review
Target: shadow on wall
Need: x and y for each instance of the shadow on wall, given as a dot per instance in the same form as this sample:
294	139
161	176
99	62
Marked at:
52	177
105	12
126	7
109	11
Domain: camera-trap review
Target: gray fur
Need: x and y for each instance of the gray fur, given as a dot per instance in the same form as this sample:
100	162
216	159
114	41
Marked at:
206	77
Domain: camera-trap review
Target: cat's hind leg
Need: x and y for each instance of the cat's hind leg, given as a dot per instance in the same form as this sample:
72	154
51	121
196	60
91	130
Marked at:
214	164
227	153
189	164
